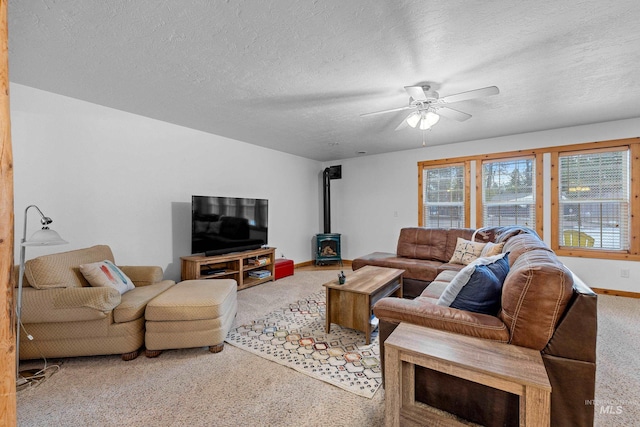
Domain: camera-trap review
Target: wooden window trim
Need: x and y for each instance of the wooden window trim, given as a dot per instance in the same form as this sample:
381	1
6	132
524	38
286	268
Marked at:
539	194
467	191
633	143
537	158
633	254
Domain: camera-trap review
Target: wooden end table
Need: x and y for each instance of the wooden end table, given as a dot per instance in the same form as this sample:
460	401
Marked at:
350	305
506	367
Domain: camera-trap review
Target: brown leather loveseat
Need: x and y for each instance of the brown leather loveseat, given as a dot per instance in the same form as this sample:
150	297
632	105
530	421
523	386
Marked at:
544	306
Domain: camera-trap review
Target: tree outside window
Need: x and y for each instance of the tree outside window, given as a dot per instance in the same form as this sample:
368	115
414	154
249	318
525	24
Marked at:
444	196
508	192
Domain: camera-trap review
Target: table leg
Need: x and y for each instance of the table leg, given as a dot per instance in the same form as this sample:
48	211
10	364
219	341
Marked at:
536	408
393	387
328	311
368	327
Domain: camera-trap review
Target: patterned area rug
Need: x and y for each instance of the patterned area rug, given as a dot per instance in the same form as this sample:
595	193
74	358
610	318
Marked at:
295	336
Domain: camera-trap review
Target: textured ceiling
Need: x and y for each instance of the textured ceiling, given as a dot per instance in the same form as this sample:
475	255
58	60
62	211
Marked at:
296	75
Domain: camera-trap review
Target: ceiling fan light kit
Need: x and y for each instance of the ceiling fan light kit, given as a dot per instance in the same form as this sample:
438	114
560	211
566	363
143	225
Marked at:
428	119
429	106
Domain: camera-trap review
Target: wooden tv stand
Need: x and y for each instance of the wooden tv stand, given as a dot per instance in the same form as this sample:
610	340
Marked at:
236	265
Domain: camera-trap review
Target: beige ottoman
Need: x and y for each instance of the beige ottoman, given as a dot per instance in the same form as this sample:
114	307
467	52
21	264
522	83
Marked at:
193	313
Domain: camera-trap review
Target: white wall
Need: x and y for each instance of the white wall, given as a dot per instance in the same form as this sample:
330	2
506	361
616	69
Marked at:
378	195
106	176
109	177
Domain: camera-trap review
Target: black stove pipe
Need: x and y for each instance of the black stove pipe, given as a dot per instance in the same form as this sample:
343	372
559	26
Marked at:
326	192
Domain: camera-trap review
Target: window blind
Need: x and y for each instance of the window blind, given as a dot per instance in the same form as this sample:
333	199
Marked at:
508	192
595	199
443	198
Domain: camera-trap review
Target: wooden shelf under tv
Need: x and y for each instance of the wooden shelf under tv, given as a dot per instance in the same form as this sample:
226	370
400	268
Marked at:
231	266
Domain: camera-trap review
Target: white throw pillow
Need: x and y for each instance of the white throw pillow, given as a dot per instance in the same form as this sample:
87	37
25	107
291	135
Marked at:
466	251
106	274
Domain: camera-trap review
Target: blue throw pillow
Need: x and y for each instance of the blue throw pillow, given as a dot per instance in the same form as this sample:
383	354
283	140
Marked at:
481	290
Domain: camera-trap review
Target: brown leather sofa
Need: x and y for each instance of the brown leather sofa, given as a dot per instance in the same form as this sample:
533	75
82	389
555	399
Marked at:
544	307
422	253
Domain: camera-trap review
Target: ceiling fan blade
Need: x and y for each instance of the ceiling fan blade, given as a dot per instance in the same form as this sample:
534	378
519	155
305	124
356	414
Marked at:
472	94
450	113
408	107
416	92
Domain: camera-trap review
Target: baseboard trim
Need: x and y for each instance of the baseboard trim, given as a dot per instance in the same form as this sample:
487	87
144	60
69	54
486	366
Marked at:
616	293
345	263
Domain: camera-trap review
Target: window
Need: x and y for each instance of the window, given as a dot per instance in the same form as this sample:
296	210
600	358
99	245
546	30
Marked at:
587	195
594	199
509	192
444	196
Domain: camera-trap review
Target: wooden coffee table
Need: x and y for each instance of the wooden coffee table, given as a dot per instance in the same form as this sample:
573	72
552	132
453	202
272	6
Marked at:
350	305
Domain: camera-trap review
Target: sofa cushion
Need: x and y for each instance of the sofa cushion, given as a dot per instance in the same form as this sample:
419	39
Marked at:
61	270
142	275
373	258
423	311
478	286
423	243
135	301
437	287
417	269
447	276
466	251
194	300
57	305
430	243
449	267
106	274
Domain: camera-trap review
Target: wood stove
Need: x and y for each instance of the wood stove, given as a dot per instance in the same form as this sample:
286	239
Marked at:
328	243
328	248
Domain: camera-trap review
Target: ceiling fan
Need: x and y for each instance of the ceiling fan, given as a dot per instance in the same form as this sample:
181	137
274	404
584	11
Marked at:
428	106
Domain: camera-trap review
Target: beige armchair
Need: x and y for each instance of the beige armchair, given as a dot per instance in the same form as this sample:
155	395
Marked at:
66	317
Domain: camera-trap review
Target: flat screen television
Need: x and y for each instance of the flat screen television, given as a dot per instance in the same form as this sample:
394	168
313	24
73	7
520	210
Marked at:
222	225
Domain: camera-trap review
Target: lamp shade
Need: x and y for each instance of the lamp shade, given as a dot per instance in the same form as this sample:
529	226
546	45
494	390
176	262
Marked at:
413	119
428	119
45	237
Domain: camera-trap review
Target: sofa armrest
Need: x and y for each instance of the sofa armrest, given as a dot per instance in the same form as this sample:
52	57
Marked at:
423	312
142	275
67	304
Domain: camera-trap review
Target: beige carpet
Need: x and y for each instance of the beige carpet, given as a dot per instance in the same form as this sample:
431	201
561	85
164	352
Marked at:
617	401
236	388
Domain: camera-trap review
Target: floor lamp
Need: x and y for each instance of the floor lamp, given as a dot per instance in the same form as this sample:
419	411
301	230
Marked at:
43	237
